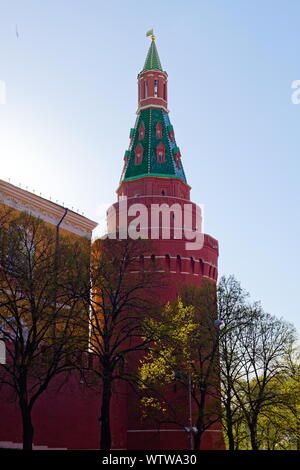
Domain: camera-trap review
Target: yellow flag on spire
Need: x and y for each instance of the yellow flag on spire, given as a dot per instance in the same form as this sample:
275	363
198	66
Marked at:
150	33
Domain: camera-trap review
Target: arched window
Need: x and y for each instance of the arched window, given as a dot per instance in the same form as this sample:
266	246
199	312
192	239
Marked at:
201	266
160	153
177	156
171	133
158	130
165	92
155	88
142	84
139	152
178	264
146	88
168	262
192	264
141	131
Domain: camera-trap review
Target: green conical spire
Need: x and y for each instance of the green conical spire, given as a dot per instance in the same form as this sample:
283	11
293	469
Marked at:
152	59
171	167
152	150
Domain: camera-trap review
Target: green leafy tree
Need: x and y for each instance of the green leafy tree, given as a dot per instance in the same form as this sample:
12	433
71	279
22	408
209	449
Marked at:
236	314
278	424
185	352
263	345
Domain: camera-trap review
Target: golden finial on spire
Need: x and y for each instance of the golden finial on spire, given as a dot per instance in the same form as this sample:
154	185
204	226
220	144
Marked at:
151	33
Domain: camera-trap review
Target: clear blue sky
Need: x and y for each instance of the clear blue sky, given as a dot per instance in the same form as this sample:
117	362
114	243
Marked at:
71	99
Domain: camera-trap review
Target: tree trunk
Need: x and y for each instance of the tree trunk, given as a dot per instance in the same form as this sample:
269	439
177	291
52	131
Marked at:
200	421
27	427
105	440
253	436
229	427
197	440
231	443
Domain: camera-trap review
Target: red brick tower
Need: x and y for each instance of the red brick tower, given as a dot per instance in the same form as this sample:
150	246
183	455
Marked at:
153	174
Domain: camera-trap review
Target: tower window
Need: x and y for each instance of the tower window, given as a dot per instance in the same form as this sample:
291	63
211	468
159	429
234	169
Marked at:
139	151
158	130
141	131
161	153
177	156
146	88
178	263
142	90
192	264
171	133
201	266
155	88
138	158
168	262
160	157
165	92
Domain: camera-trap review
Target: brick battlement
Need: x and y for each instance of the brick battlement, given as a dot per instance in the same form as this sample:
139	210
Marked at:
177	265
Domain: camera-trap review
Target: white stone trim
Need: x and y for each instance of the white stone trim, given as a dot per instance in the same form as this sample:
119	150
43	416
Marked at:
170	272
19	445
152	96
23	200
157	195
152	106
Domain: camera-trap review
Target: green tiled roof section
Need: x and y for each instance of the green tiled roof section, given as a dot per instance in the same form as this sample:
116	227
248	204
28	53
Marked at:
152	59
179	172
150	165
132	168
166	168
